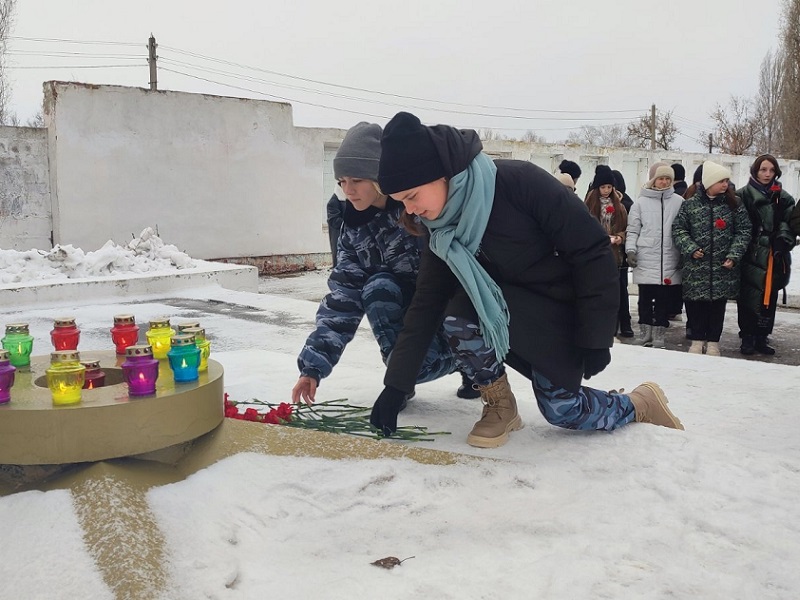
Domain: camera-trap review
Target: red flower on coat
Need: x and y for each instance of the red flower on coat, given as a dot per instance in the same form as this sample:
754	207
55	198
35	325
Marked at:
720	224
667	281
610	209
776	187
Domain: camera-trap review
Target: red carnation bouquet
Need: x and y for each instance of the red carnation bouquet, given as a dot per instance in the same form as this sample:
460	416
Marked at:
335	416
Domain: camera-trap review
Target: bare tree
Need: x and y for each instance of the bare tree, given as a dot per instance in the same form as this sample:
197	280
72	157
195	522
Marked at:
532	137
767	103
487	134
640	133
789	106
36	120
734	126
7	8
608	136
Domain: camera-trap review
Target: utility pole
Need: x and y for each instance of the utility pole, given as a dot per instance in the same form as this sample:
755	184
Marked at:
710	142
653	127
151	60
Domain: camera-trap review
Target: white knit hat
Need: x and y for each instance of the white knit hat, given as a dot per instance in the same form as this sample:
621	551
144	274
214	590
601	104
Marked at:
566	180
714	173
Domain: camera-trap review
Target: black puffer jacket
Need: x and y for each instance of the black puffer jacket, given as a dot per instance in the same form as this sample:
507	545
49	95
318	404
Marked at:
550	257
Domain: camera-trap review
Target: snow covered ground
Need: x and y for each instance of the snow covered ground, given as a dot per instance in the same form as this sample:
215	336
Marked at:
644	512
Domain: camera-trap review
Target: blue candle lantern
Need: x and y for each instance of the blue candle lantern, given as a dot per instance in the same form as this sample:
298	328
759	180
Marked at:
184	358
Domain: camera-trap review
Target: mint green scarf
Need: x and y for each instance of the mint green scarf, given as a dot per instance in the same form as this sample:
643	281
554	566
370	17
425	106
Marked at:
456	238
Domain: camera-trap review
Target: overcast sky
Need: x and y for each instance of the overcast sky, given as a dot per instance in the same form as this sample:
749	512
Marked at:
460	62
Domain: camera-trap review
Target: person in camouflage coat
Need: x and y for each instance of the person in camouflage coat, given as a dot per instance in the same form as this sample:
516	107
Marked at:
711	231
375	273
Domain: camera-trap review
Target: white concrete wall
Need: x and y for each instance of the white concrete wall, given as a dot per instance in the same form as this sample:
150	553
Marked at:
633	164
24	189
219	177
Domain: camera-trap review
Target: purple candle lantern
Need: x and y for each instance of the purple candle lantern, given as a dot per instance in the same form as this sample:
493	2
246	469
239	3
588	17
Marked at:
140	370
6	376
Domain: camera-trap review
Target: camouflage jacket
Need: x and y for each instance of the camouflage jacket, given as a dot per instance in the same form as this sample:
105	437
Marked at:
722	233
371	242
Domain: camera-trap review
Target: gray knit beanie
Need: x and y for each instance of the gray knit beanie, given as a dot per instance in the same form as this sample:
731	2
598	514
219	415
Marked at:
360	152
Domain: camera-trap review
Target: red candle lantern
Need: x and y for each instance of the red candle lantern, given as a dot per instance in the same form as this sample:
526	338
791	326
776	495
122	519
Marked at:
65	334
125	332
95	376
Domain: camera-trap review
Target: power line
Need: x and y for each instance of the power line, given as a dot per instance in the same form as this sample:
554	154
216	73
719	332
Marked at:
403	97
76	67
373	101
66	41
65	54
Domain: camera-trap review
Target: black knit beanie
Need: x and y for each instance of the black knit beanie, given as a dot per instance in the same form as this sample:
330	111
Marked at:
698	174
570	168
680	172
603	176
408	155
360	152
619	181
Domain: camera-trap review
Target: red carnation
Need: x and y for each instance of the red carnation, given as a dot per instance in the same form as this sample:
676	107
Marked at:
775	188
610	209
667	281
251	414
720	224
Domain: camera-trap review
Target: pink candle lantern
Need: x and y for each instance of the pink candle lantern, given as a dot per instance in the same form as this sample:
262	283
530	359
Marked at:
65	334
95	377
140	370
7	372
124	333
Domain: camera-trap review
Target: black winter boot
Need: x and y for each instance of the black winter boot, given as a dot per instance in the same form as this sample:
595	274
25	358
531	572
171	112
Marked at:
762	346
748	345
625	329
467	388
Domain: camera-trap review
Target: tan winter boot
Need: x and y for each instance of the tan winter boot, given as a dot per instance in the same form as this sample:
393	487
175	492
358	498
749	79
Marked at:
658	337
696	347
645	335
499	418
712	348
650	405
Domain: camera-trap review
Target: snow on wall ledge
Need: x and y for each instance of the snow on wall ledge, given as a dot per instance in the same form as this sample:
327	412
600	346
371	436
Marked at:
239	278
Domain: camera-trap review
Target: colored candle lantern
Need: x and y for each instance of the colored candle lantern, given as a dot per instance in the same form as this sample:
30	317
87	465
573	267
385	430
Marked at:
125	332
65	334
65	377
19	343
180	327
95	377
184	358
159	337
7	371
140	370
202	343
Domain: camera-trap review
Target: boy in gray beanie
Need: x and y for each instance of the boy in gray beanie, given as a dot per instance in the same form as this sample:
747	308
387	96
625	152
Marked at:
375	274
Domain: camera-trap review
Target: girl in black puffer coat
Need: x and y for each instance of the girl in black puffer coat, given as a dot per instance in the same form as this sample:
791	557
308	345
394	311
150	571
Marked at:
522	275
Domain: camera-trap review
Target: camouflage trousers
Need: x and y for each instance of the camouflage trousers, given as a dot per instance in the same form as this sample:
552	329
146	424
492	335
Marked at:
586	409
385	303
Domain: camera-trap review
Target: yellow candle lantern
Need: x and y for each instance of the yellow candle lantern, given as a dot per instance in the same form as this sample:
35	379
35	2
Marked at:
159	337
65	377
202	343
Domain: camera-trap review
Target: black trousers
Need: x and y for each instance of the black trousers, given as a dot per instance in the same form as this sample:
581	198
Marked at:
653	304
707	318
624	314
675	299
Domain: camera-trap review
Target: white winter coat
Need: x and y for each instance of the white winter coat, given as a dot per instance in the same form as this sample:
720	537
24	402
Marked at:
649	235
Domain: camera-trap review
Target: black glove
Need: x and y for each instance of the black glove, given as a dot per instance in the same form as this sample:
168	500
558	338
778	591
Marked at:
385	410
595	360
632	260
781	246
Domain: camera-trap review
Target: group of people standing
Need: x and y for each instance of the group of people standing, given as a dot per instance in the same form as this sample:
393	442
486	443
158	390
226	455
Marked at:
466	264
711	245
